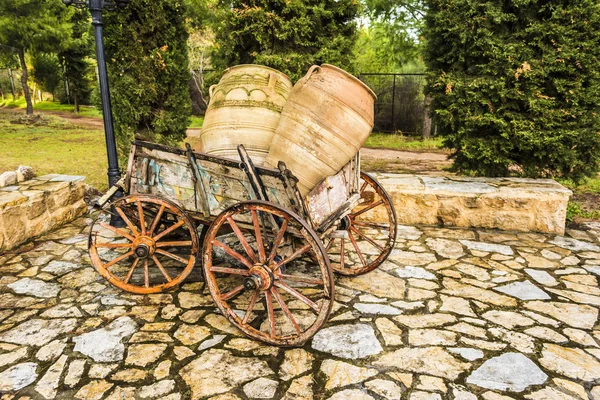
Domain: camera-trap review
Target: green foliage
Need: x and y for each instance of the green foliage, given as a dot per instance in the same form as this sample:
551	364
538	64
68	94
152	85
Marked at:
516	84
288	35
32	25
46	71
76	55
390	42
146	47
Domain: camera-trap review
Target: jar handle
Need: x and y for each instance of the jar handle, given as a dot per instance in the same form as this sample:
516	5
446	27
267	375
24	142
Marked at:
211	90
311	71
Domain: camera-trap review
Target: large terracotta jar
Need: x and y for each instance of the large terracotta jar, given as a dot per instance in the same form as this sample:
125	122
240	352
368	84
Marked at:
327	118
244	108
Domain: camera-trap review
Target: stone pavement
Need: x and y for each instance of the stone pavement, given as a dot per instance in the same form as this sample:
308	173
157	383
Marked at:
453	314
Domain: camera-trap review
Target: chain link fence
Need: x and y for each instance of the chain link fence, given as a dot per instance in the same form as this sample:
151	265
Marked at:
401	104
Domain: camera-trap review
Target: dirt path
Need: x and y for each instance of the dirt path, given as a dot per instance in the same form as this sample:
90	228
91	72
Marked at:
424	163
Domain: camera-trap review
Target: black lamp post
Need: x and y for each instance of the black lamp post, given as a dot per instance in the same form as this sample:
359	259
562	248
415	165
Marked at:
95	7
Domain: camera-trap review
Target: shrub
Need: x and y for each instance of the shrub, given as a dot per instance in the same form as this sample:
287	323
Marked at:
516	84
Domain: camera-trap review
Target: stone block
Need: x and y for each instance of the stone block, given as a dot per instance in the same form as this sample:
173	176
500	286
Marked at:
24	173
513	204
36	208
8	178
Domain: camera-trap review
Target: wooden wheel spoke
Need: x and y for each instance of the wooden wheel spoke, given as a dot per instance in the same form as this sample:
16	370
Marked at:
173	256
298	295
234	271
233	292
301	279
364	186
368	239
269	301
146	274
329	244
285	309
259	239
360	254
242	239
277	241
130	273
162	269
116	260
117	230
127	221
113	245
370	225
141	214
233	253
169	230
368	208
342	263
295	255
156	220
250	307
183	243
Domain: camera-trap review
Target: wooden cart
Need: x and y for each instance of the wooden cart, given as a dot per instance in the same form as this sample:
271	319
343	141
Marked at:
267	252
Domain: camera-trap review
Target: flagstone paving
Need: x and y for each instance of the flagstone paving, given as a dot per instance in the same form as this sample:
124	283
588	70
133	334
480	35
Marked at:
453	314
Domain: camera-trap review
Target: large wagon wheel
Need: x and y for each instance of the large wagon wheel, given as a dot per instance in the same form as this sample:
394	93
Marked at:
154	251
368	233
271	276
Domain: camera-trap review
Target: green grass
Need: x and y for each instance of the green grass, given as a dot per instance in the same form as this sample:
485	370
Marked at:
400	142
585	203
53	146
84	111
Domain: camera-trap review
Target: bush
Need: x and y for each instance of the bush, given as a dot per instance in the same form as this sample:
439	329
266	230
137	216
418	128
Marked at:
516	84
146	49
289	36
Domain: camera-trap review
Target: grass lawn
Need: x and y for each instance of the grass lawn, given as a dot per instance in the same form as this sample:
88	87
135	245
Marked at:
401	142
84	111
53	146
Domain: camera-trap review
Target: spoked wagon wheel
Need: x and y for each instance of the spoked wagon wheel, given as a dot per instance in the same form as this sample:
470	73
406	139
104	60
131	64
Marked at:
271	276
154	251
368	232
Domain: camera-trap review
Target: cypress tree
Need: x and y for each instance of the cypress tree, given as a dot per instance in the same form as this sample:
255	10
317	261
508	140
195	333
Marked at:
516	84
146	50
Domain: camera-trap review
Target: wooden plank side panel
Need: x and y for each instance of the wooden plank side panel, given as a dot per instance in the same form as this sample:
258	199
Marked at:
169	175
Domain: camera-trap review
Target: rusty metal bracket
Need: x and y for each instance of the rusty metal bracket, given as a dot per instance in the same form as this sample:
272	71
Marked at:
248	166
198	182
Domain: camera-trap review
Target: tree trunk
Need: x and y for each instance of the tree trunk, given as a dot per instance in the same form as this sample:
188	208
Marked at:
76	102
427	118
24	75
34	93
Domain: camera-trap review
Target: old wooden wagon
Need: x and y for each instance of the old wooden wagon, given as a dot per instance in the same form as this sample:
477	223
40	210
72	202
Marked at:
267	252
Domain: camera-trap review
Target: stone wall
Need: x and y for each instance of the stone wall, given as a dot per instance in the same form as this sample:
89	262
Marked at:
33	207
513	204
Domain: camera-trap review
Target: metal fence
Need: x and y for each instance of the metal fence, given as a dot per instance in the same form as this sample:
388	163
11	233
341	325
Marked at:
400	105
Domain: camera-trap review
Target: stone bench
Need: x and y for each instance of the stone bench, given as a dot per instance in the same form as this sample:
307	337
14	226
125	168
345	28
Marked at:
33	207
515	204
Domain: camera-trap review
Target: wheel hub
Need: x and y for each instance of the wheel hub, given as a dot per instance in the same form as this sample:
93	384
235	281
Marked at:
260	278
144	247
345	223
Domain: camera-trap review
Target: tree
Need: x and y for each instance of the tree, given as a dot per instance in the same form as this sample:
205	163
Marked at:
515	84
390	42
286	35
31	25
76	58
146	47
46	71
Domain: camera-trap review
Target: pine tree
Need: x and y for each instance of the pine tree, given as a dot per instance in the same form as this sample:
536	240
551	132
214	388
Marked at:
287	35
146	51
516	84
30	26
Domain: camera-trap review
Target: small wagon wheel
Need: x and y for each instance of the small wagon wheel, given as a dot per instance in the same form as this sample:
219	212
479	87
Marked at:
271	276
363	244
154	251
